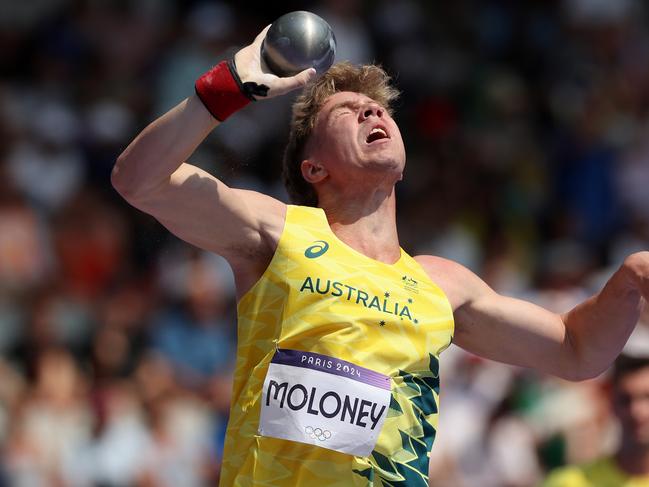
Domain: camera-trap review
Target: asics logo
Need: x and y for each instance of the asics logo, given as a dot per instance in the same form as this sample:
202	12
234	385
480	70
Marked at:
318	248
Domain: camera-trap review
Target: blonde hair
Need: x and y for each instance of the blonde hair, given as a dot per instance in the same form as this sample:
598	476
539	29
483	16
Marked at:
368	79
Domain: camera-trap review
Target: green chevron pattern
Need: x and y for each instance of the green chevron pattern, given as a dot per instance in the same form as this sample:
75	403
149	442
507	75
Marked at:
414	473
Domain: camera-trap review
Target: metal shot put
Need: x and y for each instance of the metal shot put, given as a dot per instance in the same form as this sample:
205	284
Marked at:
297	41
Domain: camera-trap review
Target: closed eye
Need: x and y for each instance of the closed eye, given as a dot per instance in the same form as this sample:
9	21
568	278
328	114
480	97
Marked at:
345	107
342	111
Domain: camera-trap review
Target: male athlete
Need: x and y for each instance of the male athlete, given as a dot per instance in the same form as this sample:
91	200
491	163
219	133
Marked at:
340	330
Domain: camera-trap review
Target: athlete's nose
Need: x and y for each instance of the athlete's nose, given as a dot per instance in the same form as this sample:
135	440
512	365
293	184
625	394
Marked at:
370	110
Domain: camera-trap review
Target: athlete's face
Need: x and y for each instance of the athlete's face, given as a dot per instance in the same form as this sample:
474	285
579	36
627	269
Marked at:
353	132
631	403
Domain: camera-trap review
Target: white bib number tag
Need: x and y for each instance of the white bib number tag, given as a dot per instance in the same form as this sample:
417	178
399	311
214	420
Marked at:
323	401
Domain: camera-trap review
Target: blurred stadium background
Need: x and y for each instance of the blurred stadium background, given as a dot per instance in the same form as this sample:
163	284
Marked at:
526	126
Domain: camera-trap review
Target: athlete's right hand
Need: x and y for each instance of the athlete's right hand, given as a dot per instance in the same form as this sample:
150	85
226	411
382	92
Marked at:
252	69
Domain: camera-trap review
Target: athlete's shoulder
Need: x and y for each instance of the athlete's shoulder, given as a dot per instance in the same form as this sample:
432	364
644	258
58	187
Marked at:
439	265
267	213
459	283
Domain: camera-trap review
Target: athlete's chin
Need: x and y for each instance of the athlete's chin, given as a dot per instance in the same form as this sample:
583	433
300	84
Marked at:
394	171
387	163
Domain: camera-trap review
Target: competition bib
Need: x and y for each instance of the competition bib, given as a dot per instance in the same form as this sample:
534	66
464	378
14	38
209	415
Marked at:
323	401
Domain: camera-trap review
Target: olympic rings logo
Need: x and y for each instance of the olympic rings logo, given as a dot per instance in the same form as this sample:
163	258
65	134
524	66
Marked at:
318	433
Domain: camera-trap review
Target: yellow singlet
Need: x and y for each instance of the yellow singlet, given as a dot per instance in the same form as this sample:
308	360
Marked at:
337	375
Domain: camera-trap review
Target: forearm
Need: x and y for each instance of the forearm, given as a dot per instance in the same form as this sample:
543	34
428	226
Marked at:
598	328
162	147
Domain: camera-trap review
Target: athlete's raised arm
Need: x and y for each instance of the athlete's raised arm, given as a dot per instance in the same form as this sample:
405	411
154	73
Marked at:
151	174
577	345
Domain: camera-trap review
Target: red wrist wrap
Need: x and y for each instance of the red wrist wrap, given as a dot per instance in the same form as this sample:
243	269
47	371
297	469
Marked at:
220	92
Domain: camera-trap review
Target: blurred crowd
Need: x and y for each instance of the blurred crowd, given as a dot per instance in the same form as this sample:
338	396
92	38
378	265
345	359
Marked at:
527	131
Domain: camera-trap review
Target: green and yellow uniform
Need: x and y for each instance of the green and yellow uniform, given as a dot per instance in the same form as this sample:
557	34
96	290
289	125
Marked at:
601	473
337	376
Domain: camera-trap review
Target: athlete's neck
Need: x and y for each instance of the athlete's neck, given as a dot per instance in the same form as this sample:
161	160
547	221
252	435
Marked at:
365	222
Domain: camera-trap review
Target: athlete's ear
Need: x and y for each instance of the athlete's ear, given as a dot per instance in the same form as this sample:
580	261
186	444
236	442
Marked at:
313	172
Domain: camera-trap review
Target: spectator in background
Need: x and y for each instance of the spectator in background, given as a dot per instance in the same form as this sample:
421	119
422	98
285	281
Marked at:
629	465
194	330
51	423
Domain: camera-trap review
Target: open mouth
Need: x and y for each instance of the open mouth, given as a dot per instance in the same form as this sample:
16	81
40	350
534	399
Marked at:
377	133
